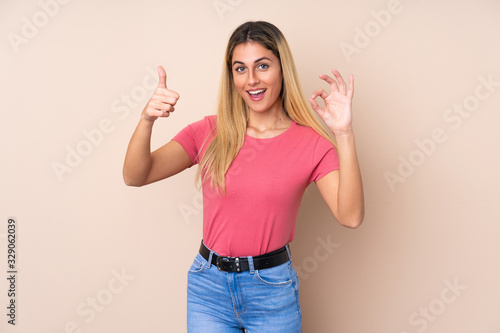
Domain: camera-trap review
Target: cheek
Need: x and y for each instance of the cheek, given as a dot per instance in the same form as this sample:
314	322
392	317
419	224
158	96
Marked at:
239	84
277	85
276	80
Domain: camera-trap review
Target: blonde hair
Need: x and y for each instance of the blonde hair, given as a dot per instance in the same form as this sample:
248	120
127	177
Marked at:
232	113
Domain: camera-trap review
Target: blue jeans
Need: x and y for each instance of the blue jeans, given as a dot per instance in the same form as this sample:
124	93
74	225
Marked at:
257	301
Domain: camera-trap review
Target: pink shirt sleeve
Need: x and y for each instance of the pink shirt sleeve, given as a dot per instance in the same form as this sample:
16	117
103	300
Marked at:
192	137
325	159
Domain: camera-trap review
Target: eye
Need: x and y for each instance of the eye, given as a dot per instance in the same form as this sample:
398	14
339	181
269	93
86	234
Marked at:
239	69
263	66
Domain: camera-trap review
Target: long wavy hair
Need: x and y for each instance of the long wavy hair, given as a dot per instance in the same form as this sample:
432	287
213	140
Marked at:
232	112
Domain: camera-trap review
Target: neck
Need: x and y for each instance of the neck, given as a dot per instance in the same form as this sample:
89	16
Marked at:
274	118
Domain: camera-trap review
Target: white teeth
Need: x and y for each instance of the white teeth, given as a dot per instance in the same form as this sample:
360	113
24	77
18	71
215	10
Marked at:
256	92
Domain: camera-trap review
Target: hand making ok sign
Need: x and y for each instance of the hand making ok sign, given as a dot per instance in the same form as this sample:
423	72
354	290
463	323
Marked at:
338	104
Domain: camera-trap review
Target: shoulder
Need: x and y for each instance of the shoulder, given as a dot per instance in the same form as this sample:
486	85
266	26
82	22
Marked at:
311	141
306	133
306	130
201	128
211	120
198	130
207	123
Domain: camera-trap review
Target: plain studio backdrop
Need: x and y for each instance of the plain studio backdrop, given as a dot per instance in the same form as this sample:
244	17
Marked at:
93	255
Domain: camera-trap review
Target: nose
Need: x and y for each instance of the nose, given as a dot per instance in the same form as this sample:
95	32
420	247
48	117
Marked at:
253	77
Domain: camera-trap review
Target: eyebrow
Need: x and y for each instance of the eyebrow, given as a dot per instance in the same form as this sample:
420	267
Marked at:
260	59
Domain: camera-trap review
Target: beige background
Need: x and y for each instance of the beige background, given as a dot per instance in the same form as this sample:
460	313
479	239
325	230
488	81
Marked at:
88	65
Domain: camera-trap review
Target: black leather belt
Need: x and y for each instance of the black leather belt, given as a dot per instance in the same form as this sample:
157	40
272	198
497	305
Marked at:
237	264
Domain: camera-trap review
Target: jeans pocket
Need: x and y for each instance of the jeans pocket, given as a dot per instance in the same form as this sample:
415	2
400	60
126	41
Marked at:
275	276
199	264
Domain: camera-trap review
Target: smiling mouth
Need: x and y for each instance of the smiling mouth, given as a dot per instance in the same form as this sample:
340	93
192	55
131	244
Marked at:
256	94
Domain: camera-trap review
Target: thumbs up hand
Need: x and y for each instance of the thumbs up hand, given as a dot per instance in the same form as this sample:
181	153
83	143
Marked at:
163	100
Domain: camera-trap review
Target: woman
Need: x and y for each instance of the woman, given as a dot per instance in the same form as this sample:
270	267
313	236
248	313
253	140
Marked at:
256	157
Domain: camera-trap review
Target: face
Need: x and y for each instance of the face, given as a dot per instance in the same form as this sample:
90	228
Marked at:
257	77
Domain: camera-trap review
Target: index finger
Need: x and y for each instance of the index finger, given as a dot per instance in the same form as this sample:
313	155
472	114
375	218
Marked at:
330	81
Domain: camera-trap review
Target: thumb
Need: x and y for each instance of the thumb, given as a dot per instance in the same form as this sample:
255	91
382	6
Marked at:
162	82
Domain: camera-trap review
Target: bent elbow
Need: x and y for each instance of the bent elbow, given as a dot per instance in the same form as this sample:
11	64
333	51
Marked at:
353	222
132	182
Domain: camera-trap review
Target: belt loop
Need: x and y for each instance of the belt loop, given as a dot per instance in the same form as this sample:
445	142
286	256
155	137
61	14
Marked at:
209	256
288	251
250	265
210	259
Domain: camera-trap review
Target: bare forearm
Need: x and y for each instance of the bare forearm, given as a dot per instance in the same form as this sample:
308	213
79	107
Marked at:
138	158
350	191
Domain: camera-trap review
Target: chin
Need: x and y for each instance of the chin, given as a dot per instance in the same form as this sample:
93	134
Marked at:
258	110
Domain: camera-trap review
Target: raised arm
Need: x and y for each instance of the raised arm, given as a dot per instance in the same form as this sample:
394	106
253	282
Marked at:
142	167
342	190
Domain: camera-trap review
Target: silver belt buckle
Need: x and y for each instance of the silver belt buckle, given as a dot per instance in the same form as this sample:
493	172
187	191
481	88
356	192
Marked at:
219	259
